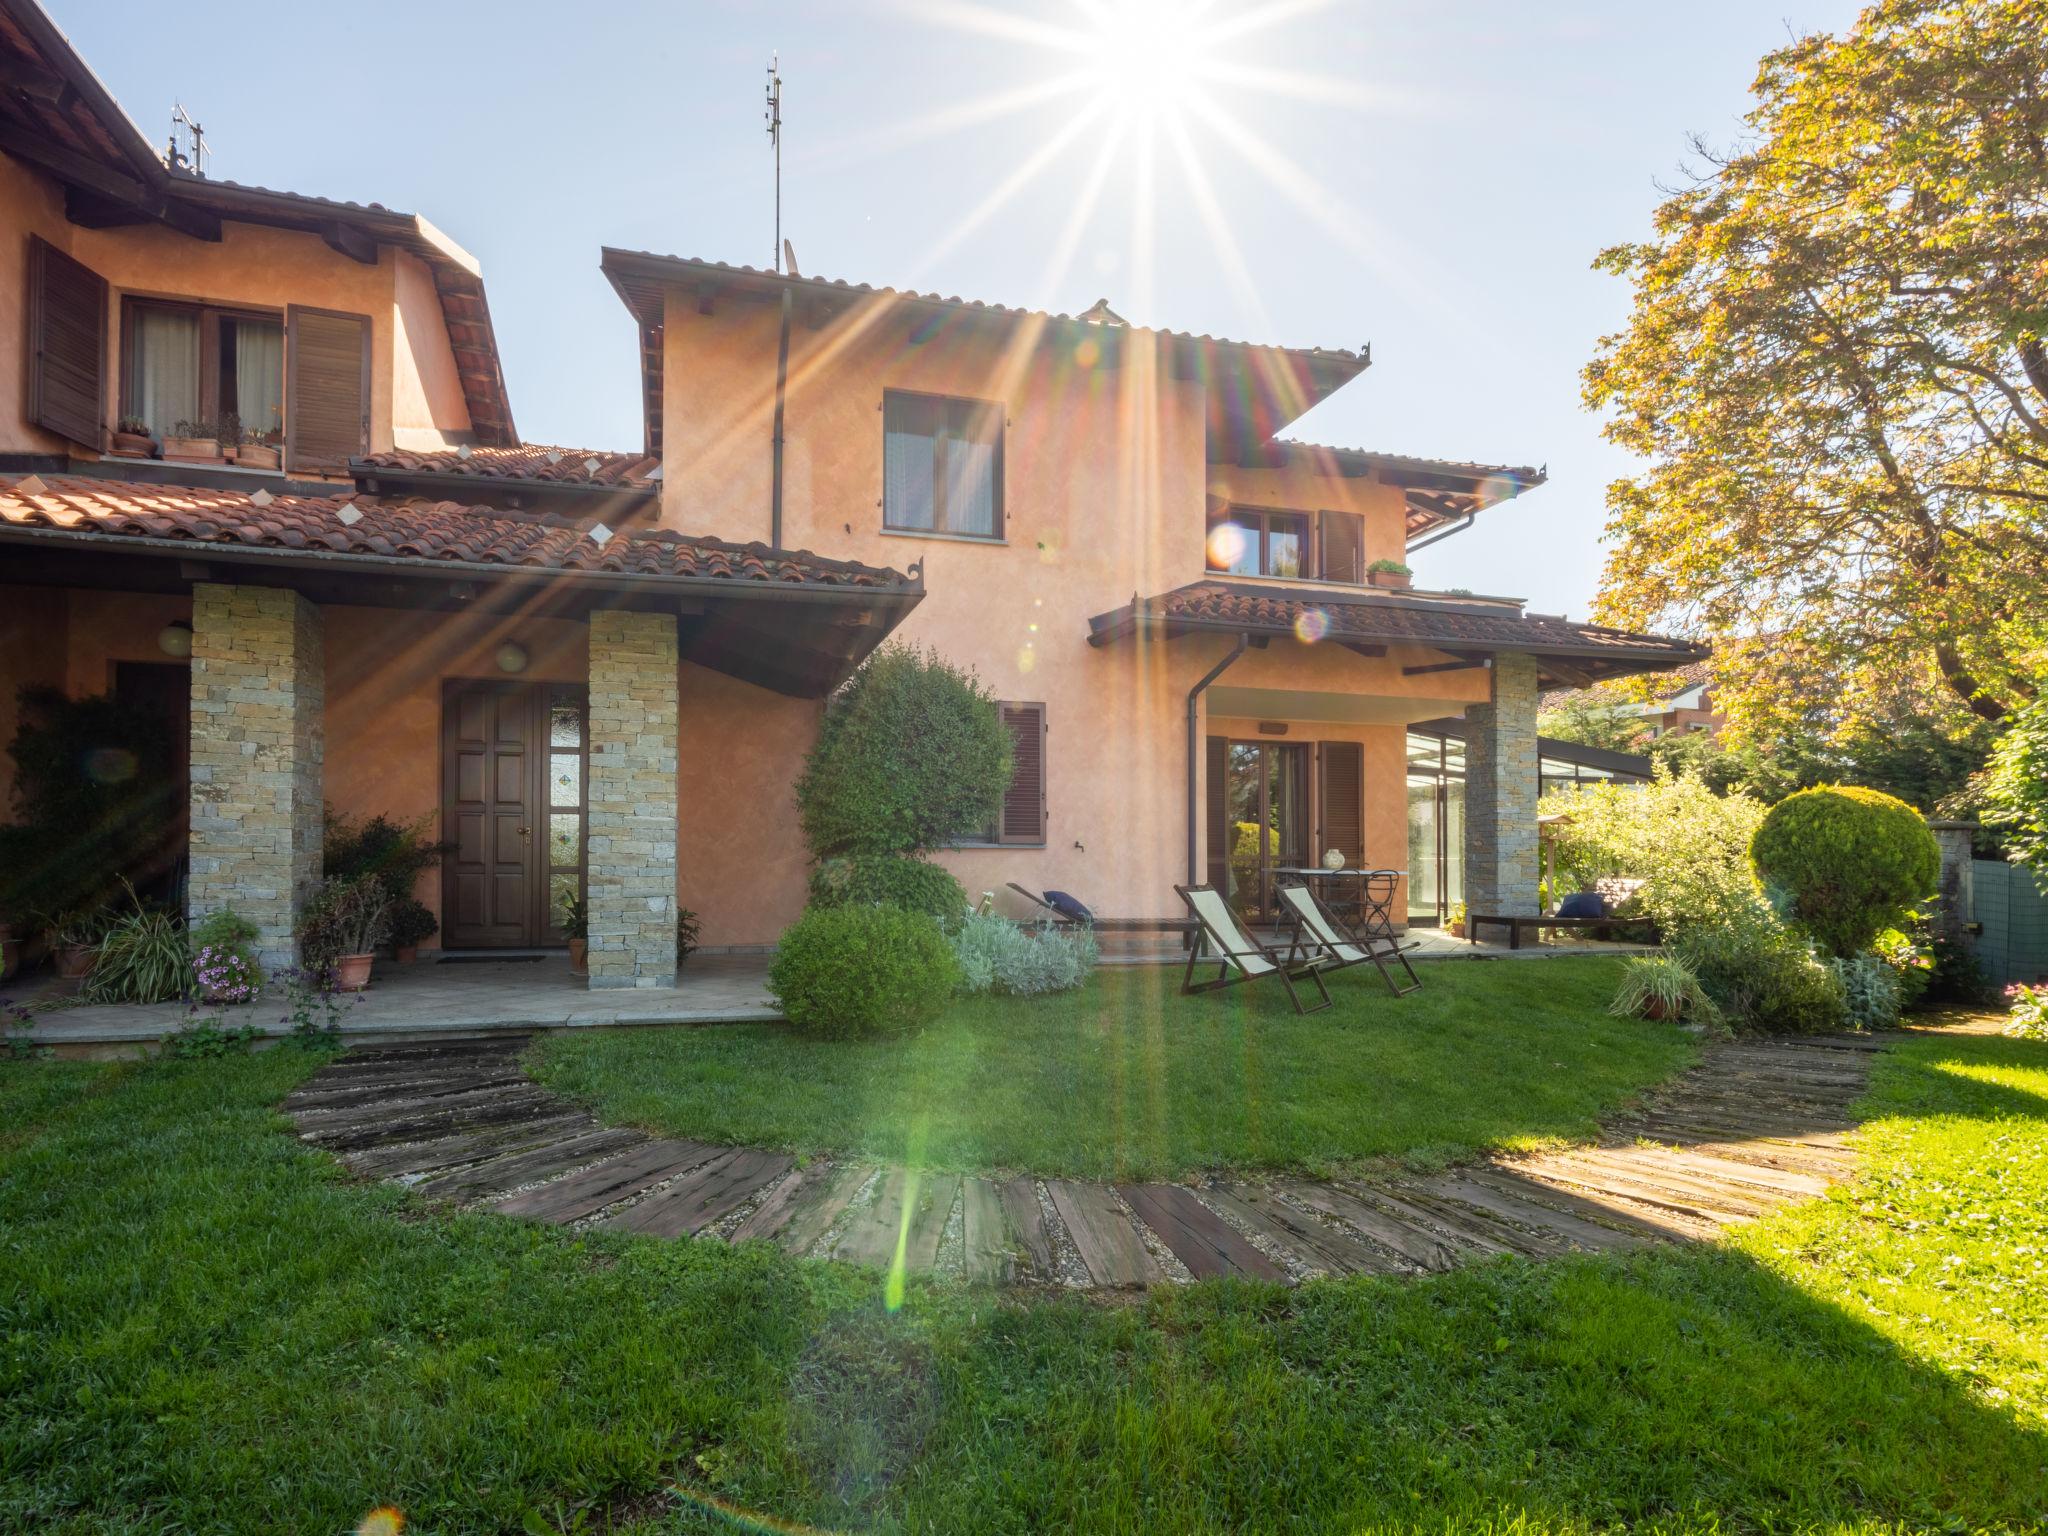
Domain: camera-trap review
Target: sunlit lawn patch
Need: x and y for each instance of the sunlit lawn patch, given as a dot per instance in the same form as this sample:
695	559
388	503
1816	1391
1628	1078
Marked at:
1127	1079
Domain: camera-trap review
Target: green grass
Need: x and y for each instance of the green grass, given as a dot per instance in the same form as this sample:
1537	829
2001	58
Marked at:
1125	1079
206	1329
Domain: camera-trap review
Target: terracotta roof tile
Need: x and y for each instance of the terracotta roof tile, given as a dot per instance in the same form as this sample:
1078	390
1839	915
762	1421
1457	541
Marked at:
1383	618
482	537
529	461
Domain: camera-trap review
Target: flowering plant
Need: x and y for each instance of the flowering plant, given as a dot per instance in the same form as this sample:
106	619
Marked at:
225	974
2029	1007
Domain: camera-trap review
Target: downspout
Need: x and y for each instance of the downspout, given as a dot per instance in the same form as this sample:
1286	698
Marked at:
781	386
1195	754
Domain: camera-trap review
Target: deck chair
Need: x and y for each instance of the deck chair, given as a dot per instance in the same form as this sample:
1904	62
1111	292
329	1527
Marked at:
1318	931
1225	942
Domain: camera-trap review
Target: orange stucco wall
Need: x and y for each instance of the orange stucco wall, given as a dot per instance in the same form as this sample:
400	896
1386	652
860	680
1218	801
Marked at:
1106	489
412	371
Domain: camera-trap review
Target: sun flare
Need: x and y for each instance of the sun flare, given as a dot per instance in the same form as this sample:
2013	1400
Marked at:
1144	58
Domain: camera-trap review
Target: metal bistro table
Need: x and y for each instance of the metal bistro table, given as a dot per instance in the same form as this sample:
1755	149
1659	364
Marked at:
1365	896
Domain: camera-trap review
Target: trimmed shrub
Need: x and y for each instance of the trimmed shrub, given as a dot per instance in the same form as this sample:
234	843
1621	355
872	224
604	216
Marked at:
890	880
912	756
1761	975
997	955
852	973
1687	844
1870	990
1850	863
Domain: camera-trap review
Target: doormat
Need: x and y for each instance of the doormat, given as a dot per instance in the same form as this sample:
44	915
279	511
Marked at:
486	959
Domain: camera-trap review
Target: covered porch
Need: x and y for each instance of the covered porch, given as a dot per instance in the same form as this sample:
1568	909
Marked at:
1303	723
576	712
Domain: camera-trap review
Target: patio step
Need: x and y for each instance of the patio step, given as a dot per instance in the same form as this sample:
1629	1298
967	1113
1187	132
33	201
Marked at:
1754	1126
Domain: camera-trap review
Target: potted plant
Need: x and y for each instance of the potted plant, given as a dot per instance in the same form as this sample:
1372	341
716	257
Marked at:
343	927
195	442
577	926
260	450
75	940
132	439
224	966
1456	925
412	922
1660	987
1388	573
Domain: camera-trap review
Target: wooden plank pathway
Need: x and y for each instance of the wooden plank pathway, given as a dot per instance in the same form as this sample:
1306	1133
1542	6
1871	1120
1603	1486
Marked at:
1755	1125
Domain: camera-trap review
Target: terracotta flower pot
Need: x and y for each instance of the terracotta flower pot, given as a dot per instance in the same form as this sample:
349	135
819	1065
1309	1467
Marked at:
133	445
579	956
352	972
258	456
1657	1008
194	450
1457	930
1392	580
74	960
407	953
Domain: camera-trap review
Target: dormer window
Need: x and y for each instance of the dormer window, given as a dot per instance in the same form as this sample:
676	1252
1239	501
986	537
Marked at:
942	466
196	363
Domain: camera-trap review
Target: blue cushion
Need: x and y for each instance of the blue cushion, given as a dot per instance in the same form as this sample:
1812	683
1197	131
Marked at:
1583	904
1067	906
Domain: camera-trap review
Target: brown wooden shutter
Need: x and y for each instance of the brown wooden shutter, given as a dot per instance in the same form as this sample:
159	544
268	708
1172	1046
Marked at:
1342	765
327	393
67	344
1342	535
1024	801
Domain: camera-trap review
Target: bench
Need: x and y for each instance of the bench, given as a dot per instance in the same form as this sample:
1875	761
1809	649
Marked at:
1613	891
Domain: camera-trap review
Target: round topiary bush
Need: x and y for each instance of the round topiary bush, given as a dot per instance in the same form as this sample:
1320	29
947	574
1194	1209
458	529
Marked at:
912	755
892	880
1853	862
852	973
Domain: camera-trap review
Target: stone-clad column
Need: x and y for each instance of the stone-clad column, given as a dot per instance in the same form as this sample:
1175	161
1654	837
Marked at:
632	791
1501	786
258	739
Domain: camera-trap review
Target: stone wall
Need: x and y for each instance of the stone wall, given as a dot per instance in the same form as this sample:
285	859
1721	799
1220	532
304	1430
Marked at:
632	799
1502	868
258	724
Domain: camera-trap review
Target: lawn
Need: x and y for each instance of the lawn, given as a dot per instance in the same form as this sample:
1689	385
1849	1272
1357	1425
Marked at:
1125	1079
208	1329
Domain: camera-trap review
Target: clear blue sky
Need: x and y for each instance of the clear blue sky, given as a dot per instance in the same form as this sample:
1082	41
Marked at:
1432	179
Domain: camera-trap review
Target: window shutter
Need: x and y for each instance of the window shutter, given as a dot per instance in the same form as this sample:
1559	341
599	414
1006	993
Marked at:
67	340
1024	811
1343	541
327	397
1343	807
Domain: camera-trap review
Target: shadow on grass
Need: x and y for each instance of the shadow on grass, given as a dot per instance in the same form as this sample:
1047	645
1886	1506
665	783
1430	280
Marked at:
209	1329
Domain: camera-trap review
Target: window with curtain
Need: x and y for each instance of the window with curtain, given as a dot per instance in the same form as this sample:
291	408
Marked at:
194	363
942	466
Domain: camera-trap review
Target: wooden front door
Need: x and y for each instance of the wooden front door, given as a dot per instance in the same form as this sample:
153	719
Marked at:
512	779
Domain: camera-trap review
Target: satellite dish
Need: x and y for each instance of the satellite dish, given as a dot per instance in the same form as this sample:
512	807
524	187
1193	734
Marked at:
789	259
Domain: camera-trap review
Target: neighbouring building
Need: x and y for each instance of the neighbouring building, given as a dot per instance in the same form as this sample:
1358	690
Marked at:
1680	703
600	670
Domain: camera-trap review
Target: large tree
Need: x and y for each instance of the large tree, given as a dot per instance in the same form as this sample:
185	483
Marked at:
1835	370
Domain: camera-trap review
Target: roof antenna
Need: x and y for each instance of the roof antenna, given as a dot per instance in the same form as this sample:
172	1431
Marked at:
774	115
181	159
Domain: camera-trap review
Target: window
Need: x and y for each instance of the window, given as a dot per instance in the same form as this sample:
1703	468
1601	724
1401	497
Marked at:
942	466
1022	819
192	362
1264	541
